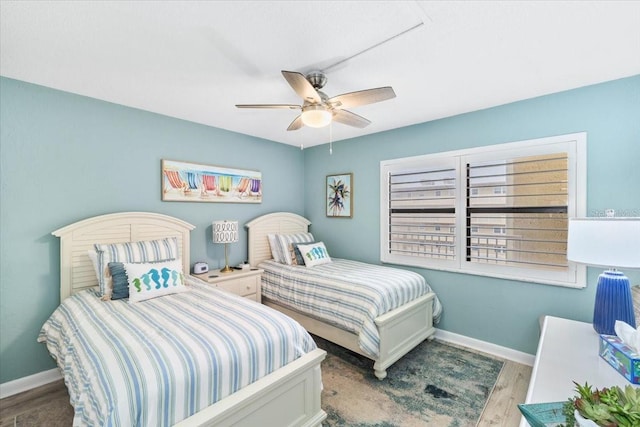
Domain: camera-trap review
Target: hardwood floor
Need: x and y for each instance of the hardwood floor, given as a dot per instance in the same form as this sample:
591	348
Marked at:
49	406
511	389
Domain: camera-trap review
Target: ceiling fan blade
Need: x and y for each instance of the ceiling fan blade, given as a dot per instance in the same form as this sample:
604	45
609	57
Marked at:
301	85
296	123
280	106
349	118
362	97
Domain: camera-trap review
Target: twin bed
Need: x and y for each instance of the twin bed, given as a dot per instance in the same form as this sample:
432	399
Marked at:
389	336
181	366
204	357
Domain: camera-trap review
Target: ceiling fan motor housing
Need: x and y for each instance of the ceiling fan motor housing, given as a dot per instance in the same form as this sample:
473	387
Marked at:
317	79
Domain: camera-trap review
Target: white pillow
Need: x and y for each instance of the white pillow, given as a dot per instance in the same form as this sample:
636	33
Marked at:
93	256
273	245
314	254
285	245
150	280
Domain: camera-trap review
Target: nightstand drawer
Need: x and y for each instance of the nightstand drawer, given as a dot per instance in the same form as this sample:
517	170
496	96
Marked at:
242	286
245	283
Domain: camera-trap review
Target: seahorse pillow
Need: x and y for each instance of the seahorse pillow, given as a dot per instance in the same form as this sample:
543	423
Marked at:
151	280
314	254
120	281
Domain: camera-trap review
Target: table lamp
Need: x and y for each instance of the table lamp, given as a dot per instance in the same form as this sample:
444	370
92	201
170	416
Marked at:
225	232
607	242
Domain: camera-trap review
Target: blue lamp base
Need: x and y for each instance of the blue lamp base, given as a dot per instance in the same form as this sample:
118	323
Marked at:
613	302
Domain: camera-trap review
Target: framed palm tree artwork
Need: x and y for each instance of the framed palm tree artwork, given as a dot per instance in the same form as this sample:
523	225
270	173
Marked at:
339	199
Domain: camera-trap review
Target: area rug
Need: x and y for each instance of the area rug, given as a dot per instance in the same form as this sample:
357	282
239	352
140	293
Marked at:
435	384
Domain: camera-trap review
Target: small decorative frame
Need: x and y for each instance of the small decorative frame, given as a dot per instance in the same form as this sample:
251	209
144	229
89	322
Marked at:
339	198
193	182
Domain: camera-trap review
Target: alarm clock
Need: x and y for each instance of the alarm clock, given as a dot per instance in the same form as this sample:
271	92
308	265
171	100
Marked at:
200	267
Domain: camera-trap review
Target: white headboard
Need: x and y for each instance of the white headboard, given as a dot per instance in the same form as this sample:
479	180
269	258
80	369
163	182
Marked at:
76	270
273	223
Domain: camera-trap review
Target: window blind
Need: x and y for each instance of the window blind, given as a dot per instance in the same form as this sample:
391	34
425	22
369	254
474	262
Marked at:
517	211
422	209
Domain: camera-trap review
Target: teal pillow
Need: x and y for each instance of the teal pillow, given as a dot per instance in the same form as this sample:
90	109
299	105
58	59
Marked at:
120	280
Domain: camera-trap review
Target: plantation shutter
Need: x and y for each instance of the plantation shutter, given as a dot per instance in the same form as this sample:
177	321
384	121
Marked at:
517	211
422	210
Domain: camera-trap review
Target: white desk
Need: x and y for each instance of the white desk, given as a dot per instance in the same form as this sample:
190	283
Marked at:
567	352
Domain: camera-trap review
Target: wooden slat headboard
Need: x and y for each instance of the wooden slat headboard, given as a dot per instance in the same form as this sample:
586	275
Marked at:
76	270
273	223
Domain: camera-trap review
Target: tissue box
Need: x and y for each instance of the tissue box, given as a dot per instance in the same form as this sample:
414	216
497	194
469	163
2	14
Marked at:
625	360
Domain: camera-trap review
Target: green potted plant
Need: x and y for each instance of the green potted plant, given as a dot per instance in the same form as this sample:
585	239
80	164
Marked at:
609	407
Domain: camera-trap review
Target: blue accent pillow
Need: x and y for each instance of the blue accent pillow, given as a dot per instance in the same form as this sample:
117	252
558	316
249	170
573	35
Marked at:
120	280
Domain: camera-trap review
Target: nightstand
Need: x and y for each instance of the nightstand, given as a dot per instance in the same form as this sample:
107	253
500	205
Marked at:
245	283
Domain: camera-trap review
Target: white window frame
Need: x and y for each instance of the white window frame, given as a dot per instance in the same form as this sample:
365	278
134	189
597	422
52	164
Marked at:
575	147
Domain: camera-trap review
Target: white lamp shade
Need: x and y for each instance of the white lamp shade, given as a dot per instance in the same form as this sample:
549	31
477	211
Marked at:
225	231
604	242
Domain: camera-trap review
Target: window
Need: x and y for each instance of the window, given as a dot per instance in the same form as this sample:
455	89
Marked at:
500	210
496	190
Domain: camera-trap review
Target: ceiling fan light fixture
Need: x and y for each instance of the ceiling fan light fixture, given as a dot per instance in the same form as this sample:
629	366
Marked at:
316	116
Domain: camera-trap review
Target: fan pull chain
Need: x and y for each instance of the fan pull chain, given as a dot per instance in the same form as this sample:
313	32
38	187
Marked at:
331	138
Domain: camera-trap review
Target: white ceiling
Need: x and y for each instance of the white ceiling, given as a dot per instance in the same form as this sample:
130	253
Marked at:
195	60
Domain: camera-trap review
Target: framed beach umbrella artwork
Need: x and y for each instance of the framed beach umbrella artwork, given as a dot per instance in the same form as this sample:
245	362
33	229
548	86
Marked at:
194	182
339	198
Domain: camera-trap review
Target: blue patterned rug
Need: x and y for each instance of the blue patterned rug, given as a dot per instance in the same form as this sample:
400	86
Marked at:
434	385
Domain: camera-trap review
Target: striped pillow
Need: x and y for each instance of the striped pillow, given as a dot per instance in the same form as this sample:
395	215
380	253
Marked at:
143	251
285	245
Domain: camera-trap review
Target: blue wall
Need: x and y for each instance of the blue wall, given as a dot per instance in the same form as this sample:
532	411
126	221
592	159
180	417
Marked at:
64	158
503	312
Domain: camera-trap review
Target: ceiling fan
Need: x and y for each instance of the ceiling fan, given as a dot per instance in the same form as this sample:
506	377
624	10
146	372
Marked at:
318	110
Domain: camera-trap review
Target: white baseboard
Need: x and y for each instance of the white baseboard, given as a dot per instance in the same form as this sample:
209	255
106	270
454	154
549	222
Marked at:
36	380
27	383
486	347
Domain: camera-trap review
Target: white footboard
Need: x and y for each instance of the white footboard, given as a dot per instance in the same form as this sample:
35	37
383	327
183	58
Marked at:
288	397
402	329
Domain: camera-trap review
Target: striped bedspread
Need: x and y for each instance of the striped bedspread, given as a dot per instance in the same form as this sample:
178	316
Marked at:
347	294
156	362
